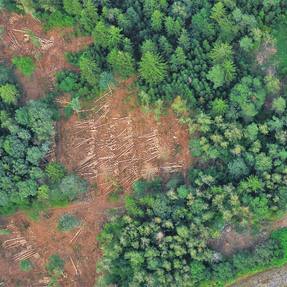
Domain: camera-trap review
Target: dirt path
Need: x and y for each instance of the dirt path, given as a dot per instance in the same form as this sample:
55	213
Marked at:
276	277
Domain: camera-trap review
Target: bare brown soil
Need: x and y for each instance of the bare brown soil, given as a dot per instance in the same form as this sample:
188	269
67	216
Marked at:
78	247
111	148
111	143
117	143
48	50
231	241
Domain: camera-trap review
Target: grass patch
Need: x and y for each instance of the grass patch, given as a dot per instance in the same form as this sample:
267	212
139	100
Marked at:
55	268
115	195
25	65
5	231
55	264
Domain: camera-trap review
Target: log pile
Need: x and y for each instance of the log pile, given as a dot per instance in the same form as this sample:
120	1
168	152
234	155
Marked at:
20	246
111	149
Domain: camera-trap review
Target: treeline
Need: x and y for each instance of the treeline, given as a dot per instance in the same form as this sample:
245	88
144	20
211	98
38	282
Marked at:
162	240
221	65
26	132
178	48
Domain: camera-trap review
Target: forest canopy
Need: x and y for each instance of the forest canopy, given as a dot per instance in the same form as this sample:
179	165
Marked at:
221	66
26	134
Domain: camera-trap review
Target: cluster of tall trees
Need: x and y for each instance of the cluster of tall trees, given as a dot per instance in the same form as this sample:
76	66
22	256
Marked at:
162	240
26	132
215	63
201	57
155	40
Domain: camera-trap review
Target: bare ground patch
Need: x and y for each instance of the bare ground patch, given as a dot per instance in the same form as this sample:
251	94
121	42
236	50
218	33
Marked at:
24	35
117	143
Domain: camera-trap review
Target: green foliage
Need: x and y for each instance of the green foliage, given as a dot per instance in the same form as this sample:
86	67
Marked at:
38	117
213	62
279	105
249	96
106	80
55	171
25	135
179	106
68	222
75	104
26	265
89	70
25	64
121	62
152	69
68	189
66	82
221	52
9	94
246	44
156	20
219	106
216	75
72	7
107	37
55	264
26	6
272	84
281	40
56	19
5	232
281	236
160	223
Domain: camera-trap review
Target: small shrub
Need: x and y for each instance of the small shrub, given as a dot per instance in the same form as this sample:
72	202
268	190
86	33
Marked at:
55	171
281	236
55	264
25	64
71	187
26	265
68	112
68	222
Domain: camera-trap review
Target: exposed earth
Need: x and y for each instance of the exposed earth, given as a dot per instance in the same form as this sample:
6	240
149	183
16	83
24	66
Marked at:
111	143
24	35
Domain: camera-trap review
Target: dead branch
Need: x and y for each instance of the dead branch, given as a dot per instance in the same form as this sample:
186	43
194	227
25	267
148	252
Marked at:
75	237
25	254
17	239
75	268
